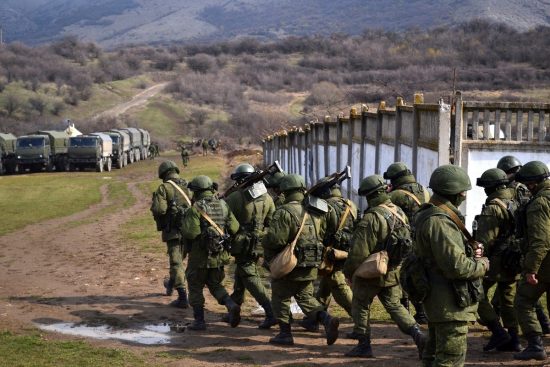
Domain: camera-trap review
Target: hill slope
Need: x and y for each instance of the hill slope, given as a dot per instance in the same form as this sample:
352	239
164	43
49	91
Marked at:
112	23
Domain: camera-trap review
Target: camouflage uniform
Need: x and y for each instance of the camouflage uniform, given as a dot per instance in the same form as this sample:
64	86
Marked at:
205	267
184	156
254	216
451	270
370	236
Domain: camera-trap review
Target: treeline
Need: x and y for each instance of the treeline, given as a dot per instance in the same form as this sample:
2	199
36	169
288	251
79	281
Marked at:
254	83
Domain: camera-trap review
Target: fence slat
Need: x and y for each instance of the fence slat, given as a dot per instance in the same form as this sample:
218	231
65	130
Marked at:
497	125
519	125
486	117
508	125
475	124
542	127
530	125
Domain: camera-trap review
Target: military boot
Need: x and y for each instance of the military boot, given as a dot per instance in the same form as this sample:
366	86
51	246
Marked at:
534	350
499	337
181	301
353	335
234	311
543	319
331	325
169	286
513	345
284	337
198	315
419	338
309	324
362	350
420	315
269	320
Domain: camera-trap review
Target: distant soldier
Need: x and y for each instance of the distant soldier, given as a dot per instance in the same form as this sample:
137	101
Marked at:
204	147
151	151
454	268
382	225
495	229
292	221
407	194
253	208
169	202
536	259
184	156
208	227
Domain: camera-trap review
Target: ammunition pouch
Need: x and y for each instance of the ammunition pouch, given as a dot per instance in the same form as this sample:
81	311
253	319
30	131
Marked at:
214	242
309	254
467	292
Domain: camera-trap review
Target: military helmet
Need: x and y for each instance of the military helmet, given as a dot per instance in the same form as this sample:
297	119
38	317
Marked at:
396	170
533	171
492	177
273	180
166	167
508	163
449	180
242	171
292	182
200	183
371	184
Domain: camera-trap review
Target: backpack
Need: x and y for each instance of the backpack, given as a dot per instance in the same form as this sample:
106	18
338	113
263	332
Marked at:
398	243
414	278
172	218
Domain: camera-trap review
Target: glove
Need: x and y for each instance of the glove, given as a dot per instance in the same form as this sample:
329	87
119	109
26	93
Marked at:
484	261
330	254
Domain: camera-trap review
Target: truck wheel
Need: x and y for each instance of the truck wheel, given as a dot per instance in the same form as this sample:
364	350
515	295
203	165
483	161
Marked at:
119	163
99	167
108	165
131	154
49	167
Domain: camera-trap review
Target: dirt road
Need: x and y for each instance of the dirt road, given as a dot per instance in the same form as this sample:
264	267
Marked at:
138	100
79	269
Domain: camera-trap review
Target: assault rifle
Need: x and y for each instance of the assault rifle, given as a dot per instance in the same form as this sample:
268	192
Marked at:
328	182
253	178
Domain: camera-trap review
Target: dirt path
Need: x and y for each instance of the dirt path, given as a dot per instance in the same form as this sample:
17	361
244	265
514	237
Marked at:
138	100
78	269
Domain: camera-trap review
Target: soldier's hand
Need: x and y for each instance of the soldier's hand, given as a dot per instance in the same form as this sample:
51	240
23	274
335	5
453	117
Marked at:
484	261
531	278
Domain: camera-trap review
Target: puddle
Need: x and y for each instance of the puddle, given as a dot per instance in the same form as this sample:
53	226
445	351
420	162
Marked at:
294	308
149	335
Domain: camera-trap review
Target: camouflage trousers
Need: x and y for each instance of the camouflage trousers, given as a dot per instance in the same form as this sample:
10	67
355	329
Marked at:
197	278
335	285
505	292
527	297
446	345
175	256
282	290
363	295
248	279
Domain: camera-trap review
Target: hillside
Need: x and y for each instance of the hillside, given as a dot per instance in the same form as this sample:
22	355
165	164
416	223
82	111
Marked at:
113	23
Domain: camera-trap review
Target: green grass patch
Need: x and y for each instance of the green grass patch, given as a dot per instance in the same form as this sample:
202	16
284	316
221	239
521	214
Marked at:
162	116
34	350
27	199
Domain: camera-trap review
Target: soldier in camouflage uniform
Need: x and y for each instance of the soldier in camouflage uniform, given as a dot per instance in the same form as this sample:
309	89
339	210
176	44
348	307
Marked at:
495	229
370	236
272	183
166	199
184	156
535	278
298	283
407	194
253	208
208	254
453	268
511	165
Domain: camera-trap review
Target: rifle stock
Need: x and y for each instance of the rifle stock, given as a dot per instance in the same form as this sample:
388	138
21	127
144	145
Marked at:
253	178
333	179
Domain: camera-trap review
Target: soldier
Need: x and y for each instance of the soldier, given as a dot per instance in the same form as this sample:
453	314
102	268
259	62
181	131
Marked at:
454	274
285	226
495	229
272	183
170	196
372	234
536	262
407	194
511	165
204	147
338	239
207	226
253	208
184	156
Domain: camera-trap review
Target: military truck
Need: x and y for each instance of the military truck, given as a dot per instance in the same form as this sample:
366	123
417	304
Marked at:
135	143
127	151
119	148
91	151
145	142
7	153
43	149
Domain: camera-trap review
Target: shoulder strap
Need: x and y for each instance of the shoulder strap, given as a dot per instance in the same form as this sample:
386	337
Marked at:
394	212
454	218
500	203
210	221
426	194
344	216
300	229
187	200
411	195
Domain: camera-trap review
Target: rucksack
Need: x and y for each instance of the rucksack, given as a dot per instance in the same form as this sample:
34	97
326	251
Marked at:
173	217
398	243
414	278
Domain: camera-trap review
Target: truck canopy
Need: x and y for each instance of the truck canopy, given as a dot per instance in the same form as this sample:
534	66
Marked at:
106	143
59	140
125	146
7	142
135	137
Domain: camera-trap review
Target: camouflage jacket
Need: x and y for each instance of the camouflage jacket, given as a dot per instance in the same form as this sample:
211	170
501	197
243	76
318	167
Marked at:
401	196
442	247
194	225
341	238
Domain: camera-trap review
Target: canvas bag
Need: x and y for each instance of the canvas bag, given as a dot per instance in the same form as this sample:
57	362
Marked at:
286	261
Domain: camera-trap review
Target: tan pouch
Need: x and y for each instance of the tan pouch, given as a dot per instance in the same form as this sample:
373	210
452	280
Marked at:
376	265
286	261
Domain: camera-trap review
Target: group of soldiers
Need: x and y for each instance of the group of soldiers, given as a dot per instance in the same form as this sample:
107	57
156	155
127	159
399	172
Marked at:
431	258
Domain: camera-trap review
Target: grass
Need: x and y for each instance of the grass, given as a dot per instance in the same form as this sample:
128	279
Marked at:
35	350
162	117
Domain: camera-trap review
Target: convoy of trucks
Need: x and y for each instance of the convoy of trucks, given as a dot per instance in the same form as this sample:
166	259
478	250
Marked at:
56	150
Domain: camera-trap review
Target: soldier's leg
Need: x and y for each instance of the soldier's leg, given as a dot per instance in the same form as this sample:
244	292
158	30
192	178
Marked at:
214	283
506	296
323	293
238	286
175	254
281	293
542	317
428	355
363	295
527	296
489	318
450	343
485	310
341	291
251	280
196	279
